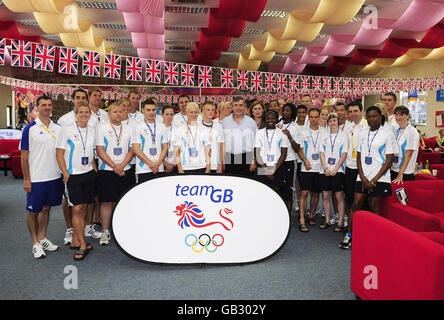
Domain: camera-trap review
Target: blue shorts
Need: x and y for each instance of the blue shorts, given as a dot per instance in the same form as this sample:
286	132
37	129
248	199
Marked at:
44	194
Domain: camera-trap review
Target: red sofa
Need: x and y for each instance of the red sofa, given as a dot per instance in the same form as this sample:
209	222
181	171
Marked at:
433	157
439	168
392	262
424	211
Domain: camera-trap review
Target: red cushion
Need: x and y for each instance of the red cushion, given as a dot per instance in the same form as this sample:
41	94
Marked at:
430	142
424	200
434	236
440	216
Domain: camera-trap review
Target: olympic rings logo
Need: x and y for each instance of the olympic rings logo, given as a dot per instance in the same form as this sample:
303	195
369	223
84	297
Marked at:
204	245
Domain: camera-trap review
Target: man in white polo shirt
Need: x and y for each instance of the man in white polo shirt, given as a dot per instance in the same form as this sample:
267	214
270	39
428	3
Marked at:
41	175
180	118
240	132
134	114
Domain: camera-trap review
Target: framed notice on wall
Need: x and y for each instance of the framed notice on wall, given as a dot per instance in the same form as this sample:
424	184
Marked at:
439	119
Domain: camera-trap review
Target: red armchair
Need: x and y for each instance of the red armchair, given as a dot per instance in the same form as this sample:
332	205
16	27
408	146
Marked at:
401	264
424	211
10	147
433	157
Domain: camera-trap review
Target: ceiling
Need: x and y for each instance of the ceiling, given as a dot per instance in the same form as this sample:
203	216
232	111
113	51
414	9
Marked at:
182	29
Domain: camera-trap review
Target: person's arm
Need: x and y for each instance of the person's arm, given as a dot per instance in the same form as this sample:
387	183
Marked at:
281	158
408	156
364	180
163	154
340	162
207	151
105	157
60	155
177	156
293	143
220	167
25	168
387	165
303	159
324	164
139	153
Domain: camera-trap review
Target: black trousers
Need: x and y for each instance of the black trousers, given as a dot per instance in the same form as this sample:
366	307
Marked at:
238	164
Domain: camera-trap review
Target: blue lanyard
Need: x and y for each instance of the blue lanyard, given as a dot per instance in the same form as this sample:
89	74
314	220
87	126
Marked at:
153	134
191	133
332	144
398	136
268	140
119	135
368	140
312	140
86	138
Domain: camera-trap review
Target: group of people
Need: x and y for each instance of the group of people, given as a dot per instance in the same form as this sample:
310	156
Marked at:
91	157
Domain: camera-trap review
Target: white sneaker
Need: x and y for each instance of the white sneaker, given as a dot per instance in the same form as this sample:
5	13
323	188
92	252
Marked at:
68	236
345	221
37	251
334	219
105	238
47	245
91	232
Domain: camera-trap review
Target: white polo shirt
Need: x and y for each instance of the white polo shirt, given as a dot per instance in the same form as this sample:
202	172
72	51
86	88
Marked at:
333	146
291	127
309	140
170	135
41	145
78	144
181	120
117	143
407	139
353	142
239	138
270	142
69	119
215	134
192	141
299	129
101	115
136	117
150	136
375	146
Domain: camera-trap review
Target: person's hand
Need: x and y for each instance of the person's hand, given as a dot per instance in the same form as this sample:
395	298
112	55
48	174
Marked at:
398	179
27	185
327	172
219	169
307	165
333	172
287	133
252	166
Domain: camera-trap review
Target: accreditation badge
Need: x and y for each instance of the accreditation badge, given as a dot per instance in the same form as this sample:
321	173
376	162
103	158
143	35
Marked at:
332	161
368	160
270	157
354	153
153	151
194	153
315	156
85	161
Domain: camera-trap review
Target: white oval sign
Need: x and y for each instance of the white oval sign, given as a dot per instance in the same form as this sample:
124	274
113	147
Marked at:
200	219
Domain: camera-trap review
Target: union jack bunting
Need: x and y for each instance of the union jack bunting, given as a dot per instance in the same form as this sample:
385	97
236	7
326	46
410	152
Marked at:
242	79
68	61
153	71
187	75
347	85
270	82
326	85
133	69
21	53
2	51
337	85
205	76
357	86
111	67
282	82
171	73
256	81
91	64
365	86
44	57
398	85
226	76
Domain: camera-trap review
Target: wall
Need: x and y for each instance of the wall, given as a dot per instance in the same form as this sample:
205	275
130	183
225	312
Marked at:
418	69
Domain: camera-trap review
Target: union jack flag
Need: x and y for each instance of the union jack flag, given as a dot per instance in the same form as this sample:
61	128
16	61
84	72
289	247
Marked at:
153	71
256	81
294	83
317	84
282	82
2	51
171	73
68	61
305	84
111	66
133	69
270	82
398	85
187	75
21	53
337	85
205	76
242	79
326	86
347	85
91	64
44	57
365	87
226	76
357	86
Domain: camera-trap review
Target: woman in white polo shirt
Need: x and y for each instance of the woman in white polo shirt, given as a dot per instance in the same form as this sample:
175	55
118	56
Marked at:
113	145
407	139
376	148
270	151
333	147
150	144
75	156
191	144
